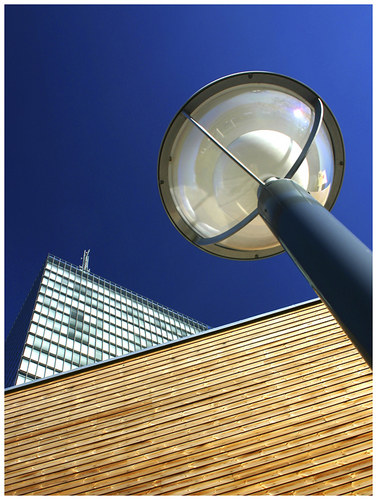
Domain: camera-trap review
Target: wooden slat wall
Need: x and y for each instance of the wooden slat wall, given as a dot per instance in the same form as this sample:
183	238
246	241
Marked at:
278	406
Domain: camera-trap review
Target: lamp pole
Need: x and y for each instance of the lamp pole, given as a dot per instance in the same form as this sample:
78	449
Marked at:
336	263
251	166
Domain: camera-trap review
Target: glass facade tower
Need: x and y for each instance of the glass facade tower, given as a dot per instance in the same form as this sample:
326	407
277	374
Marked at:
74	318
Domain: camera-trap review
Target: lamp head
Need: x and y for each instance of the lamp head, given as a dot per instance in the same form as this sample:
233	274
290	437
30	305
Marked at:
229	137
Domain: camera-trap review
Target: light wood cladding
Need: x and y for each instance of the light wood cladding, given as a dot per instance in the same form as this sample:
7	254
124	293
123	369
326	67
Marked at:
279	405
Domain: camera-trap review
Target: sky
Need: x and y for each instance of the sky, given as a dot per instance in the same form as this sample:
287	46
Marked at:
89	93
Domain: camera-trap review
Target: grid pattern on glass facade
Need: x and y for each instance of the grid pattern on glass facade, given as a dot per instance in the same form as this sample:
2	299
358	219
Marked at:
80	318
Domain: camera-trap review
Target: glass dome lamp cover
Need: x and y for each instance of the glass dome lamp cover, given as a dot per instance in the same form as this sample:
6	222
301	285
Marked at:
227	140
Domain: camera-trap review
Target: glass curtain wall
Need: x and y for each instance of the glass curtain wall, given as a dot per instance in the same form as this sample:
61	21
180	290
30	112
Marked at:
80	318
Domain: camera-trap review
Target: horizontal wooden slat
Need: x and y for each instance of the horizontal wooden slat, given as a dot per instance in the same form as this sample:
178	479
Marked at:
299	440
172	399
182	351
279	471
274	406
279	405
134	393
208	347
180	369
153	448
335	415
142	417
298	352
336	477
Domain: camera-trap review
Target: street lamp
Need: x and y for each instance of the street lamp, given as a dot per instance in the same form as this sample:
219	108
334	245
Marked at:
249	167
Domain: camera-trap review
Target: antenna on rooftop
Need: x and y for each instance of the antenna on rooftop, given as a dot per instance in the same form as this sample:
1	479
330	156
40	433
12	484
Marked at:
85	261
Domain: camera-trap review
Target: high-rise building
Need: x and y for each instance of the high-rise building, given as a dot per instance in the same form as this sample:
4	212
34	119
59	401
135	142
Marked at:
72	318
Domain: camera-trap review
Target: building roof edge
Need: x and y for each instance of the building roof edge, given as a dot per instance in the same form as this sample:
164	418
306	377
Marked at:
161	346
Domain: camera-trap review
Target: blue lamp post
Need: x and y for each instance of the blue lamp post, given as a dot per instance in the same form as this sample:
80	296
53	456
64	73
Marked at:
249	167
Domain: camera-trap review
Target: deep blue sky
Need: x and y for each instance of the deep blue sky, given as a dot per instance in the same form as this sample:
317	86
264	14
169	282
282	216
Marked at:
90	92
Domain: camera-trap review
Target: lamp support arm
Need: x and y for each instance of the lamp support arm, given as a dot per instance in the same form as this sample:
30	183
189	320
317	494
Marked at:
223	148
336	263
